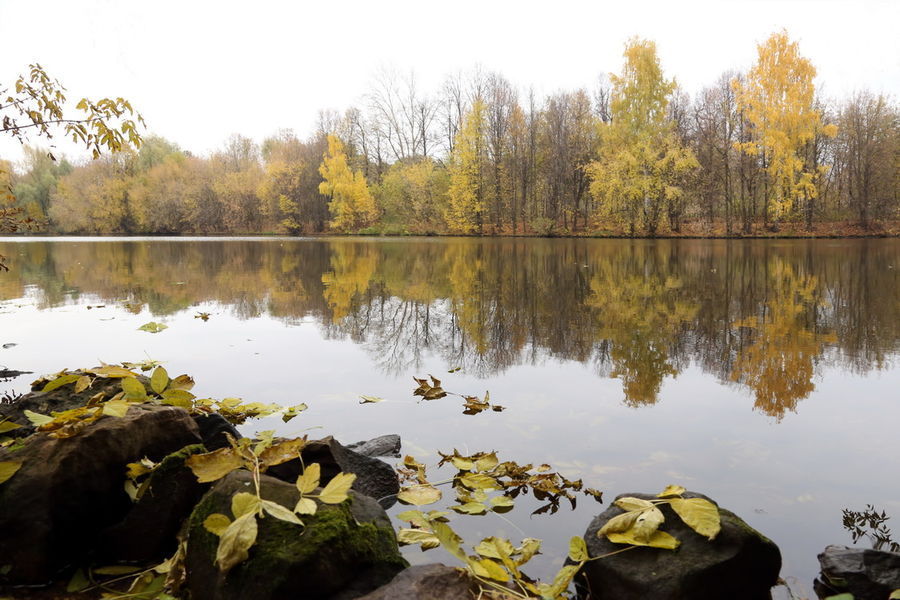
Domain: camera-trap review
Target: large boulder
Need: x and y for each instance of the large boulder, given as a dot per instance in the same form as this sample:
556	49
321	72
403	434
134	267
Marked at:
149	531
374	478
428	582
69	489
867	574
383	445
215	429
739	564
344	550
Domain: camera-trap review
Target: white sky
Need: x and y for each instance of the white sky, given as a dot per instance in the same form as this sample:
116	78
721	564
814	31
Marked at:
199	71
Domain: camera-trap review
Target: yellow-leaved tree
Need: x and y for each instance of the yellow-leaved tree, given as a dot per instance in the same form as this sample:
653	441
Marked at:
352	205
465	210
777	97
641	161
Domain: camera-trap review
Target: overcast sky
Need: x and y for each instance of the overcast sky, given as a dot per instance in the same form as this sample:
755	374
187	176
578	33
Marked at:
199	71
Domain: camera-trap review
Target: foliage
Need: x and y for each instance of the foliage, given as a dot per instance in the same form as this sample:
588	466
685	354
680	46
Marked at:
641	159
777	98
465	205
639	524
352	205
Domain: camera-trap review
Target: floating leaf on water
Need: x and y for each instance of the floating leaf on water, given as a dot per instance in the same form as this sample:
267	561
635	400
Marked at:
560	582
486	462
235	542
419	495
486	567
8	469
153	327
112	371
454	369
370	399
203	316
462	463
470	508
291	412
671	490
699	514
337	489
500	503
426	539
431	391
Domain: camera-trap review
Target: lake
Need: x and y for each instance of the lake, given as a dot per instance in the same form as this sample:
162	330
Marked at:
763	373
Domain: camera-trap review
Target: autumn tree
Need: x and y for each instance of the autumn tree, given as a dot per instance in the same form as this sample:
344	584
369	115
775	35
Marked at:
465	210
352	205
777	96
641	159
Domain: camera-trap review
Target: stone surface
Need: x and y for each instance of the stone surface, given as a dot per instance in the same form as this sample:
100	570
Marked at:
384	445
865	573
68	490
347	549
213	428
374	478
739	564
427	582
148	532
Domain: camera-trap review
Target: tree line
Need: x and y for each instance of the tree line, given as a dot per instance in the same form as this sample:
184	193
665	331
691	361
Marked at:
759	151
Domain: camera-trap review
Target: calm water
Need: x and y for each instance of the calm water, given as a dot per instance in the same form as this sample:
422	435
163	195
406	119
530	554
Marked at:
763	373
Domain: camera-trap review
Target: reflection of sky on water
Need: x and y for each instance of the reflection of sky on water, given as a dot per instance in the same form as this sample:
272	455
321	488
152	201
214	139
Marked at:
790	477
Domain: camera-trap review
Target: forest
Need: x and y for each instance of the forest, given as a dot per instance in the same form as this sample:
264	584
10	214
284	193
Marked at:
760	152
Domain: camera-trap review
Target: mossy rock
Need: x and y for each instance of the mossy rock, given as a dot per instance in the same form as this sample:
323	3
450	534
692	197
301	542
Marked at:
343	550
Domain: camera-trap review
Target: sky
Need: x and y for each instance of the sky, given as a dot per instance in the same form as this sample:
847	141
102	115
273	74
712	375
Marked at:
199	71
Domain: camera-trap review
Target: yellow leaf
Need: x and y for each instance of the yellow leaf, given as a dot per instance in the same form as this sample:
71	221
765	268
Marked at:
470	508
6	426
659	539
112	372
370	399
282	452
83	383
671	490
419	495
60	381
133	388
487	462
425	539
529	547
578	551
647	522
235	542
449	540
486	567
630	503
280	512
309	479
159	380
116	408
178	397
37	419
700	515
8	469
336	490
618	524
560	582
214	465
244	503
182	382
305	506
463	464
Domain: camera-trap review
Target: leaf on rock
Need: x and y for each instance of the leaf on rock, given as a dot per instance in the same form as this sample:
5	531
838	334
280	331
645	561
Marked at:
178	397
37	419
83	383
618	524
134	388
235	542
280	512
306	506
182	382
578	551
282	452
116	408
244	503
61	381
8	469
214	465
112	371
646	524
630	503
700	515
159	380
419	495
671	490
6	426
336	490
659	539
309	478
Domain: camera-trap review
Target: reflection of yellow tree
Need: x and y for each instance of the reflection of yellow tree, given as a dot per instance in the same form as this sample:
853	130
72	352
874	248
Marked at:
352	267
642	316
778	364
467	296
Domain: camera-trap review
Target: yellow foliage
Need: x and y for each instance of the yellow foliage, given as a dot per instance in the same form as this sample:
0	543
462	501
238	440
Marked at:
352	205
465	211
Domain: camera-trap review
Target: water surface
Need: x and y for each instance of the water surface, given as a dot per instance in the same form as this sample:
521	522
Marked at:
762	373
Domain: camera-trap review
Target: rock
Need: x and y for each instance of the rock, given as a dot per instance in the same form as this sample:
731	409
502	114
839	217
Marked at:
374	478
148	532
385	445
739	564
348	549
213	428
12	373
58	400
867	574
70	489
427	582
